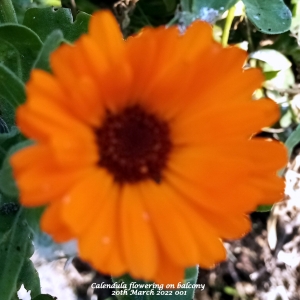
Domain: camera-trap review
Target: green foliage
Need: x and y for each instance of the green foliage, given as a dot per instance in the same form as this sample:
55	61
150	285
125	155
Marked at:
231	291
24	43
293	140
264	208
45	20
7	12
201	9
12	94
8	139
270	74
33	216
270	17
29	277
218	7
3	126
53	40
152	13
15	250
7	182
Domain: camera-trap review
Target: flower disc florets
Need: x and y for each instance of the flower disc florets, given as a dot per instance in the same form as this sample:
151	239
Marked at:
134	145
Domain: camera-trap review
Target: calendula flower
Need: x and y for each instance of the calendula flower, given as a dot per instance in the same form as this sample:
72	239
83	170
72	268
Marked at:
143	148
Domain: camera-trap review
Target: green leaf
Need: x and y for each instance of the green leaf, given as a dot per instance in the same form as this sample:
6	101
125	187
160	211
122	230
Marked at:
3	126
209	11
151	13
271	17
270	74
7	12
33	216
12	93
10	57
8	210
7	140
29	277
220	6
15	250
7	182
231	291
53	40
293	140
264	208
26	44
45	20
44	297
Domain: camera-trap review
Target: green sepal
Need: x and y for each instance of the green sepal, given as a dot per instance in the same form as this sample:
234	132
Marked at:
271	17
45	20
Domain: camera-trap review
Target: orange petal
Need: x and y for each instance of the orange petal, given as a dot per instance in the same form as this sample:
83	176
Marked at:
271	187
105	30
230	120
97	244
168	272
52	223
165	219
198	164
115	263
210	248
68	138
86	199
39	177
266	154
43	83
70	68
138	240
242	198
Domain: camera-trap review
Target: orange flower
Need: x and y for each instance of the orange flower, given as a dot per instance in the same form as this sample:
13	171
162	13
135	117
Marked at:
143	148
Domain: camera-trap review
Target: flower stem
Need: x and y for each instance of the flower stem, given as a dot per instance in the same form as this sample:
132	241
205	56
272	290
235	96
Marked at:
7	12
295	9
227	27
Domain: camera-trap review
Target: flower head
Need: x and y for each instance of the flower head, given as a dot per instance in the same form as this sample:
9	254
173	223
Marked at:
143	148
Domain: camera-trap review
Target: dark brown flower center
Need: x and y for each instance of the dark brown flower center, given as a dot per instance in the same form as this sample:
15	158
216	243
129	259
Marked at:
134	145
